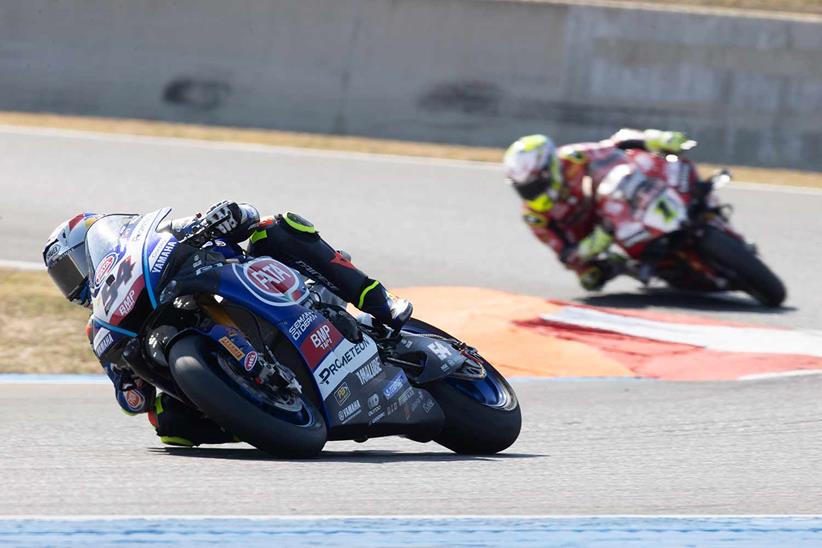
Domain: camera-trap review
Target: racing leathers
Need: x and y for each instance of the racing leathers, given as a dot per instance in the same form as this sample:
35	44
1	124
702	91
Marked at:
288	238
570	224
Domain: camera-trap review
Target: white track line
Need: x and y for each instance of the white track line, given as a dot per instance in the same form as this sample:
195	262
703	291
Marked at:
723	338
778	375
761	187
247	147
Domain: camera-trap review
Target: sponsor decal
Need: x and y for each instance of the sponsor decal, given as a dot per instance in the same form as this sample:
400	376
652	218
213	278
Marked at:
370	370
391	408
321	337
103	267
350	411
319	343
428	405
613	207
345	359
678	175
52	252
376	419
270	276
374	406
442	351
250	360
405	396
339	364
316	276
127	305
634	239
111	296
232	348
409	409
162	258
135	400
342	393
204	269
302	324
102	341
631	233
373	401
394	386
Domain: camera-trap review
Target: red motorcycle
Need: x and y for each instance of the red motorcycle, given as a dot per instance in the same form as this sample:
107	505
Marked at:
668	224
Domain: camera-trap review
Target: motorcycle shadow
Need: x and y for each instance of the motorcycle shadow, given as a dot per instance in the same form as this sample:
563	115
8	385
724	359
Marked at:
686	300
378	456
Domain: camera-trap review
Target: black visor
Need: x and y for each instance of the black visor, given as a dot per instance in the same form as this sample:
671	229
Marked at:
70	272
530	190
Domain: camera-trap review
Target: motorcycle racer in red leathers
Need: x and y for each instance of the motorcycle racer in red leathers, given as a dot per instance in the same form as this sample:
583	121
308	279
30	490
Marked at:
558	187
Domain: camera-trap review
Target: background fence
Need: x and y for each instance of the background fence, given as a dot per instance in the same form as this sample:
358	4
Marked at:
467	71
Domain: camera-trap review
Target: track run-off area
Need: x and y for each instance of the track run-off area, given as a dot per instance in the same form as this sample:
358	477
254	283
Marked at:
447	234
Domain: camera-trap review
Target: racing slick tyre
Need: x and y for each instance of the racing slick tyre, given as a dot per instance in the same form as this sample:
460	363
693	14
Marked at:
482	416
300	433
753	276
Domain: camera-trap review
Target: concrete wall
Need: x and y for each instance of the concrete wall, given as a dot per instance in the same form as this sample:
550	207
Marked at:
465	71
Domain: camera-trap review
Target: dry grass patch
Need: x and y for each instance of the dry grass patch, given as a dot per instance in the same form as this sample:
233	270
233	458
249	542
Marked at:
39	331
760	8
813	7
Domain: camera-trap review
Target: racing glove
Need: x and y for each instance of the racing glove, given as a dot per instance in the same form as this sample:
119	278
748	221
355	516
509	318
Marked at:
667	141
594	244
230	218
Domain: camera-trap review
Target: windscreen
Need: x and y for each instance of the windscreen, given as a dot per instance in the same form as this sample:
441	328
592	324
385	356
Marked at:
104	236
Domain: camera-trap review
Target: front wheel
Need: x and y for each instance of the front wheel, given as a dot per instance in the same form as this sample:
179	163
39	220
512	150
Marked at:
482	415
288	429
735	258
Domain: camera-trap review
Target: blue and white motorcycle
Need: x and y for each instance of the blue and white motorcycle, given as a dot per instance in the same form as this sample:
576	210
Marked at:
276	360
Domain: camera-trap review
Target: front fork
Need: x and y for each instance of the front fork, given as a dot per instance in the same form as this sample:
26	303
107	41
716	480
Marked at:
261	367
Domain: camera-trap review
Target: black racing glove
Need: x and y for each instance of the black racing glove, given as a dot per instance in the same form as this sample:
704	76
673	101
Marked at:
230	219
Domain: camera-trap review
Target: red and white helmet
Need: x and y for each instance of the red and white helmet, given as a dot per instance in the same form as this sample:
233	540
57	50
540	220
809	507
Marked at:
65	257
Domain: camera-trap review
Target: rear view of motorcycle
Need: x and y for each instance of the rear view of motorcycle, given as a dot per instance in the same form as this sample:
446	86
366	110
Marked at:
670	225
276	361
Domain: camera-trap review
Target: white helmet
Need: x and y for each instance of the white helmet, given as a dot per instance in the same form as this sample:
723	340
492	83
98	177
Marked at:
65	257
532	166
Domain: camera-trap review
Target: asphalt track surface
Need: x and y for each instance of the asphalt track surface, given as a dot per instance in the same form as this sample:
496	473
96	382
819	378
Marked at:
595	447
407	221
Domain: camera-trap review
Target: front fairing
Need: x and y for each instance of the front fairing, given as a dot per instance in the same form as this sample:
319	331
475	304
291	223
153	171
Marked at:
356	388
128	258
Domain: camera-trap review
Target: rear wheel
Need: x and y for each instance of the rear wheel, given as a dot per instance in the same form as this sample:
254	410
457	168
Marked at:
284	425
482	413
737	260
